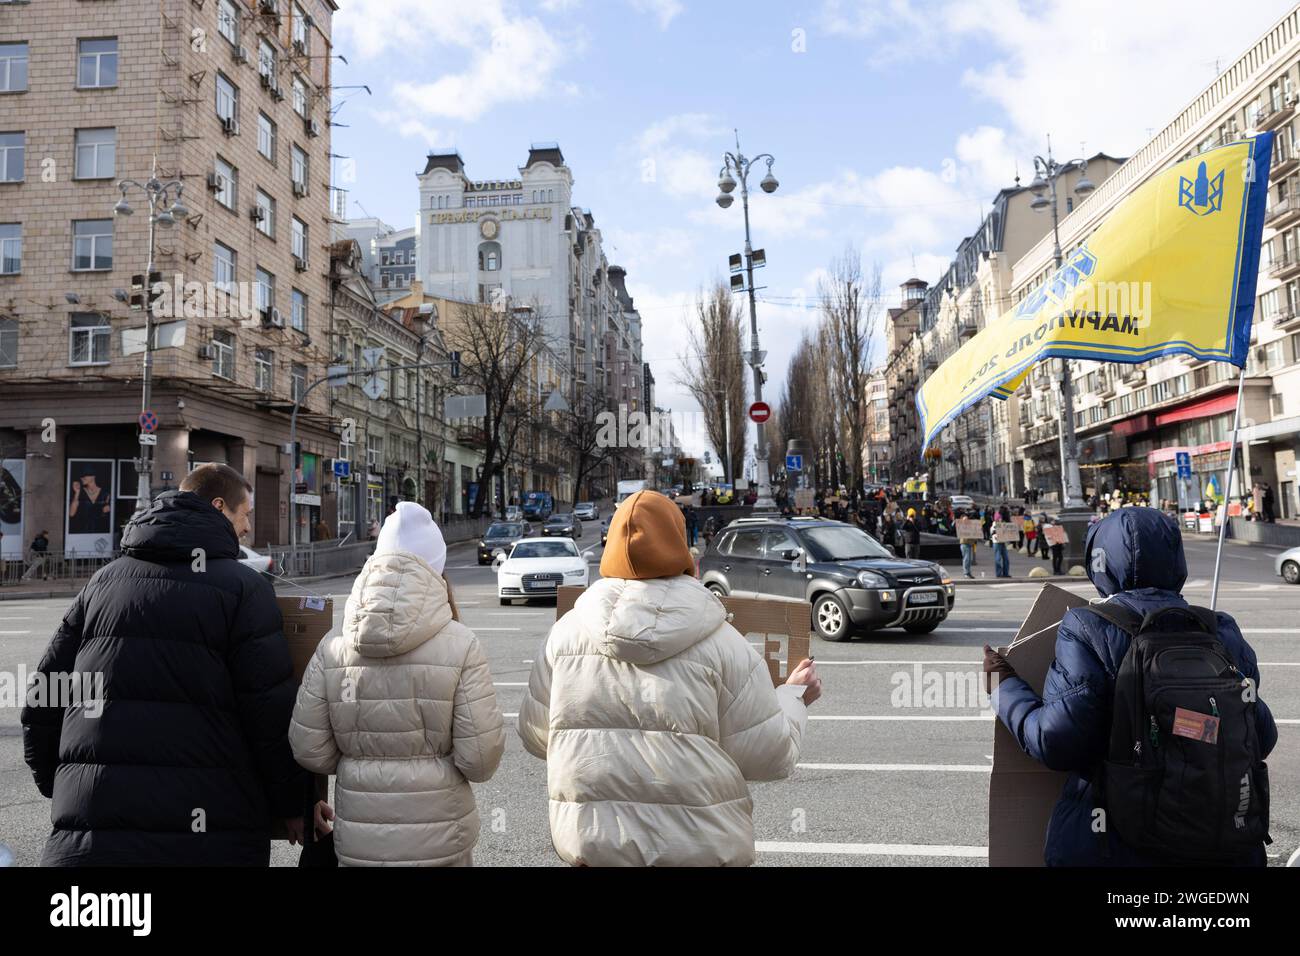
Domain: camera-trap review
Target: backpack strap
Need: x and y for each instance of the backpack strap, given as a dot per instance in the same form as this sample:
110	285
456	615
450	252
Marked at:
1128	621
1205	619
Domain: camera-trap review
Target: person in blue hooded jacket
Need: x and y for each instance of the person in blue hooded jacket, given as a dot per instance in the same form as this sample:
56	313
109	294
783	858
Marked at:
1068	728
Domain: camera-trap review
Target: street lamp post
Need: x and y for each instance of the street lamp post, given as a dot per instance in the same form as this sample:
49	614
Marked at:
735	168
167	198
1074	512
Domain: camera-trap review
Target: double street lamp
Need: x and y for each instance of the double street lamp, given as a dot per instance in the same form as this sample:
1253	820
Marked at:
165	207
1074	511
735	170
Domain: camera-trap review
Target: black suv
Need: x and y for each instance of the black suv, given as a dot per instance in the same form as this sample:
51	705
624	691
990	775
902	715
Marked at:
563	526
852	581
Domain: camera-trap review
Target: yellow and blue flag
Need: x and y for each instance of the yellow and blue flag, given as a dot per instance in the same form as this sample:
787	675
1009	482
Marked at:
1172	269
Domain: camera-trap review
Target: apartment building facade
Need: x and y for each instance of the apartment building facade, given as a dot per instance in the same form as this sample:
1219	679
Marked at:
1133	421
230	99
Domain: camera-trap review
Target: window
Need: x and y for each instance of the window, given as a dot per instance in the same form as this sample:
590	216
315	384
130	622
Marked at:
88	339
298	312
299	97
263	370
96	63
399	258
747	544
374	451
96	152
223	268
92	244
228	103
265	290
265	59
301	35
11	248
1295	346
266	136
223	354
383	258
299	168
1273	355
227	184
298	381
13	67
299	238
228	20
266	225
383	281
13	151
8	343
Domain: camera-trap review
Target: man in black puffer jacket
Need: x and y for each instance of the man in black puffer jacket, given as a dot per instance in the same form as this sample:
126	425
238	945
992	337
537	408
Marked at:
184	758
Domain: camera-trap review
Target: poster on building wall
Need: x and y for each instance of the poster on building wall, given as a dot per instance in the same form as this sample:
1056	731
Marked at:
13	473
89	513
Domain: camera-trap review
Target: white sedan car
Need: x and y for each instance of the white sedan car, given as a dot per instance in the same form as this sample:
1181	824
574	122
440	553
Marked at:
1287	564
536	567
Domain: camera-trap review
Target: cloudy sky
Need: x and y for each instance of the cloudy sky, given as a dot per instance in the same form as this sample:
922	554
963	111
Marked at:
894	122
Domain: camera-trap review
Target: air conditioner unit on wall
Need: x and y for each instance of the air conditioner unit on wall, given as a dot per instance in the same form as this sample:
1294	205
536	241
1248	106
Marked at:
207	352
257	214
215	182
299	189
241	54
229	126
277	320
313	128
300	264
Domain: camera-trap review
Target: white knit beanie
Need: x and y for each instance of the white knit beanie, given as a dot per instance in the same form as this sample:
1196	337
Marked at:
411	529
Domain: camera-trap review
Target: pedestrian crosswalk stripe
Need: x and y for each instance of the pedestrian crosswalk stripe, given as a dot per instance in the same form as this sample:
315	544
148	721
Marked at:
873	849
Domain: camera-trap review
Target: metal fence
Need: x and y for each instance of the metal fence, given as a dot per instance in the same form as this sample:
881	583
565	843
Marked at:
53	565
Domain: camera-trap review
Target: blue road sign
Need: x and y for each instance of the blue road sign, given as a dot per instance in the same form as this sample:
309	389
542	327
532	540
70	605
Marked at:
1184	461
342	468
794	462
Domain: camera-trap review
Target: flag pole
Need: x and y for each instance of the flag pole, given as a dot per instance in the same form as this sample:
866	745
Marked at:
1227	487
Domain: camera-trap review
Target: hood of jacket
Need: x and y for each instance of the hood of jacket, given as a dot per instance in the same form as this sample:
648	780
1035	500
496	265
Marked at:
397	603
647	621
174	525
1139	548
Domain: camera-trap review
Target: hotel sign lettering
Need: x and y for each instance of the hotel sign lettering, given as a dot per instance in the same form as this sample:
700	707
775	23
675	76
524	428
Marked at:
473	215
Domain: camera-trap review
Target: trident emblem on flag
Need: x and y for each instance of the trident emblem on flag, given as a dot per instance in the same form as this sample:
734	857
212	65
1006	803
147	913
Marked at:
1201	195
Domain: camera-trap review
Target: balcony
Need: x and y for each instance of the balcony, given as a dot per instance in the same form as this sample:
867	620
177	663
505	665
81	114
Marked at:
471	436
1273	112
1107	387
1285	159
1284	265
1135	377
1282	213
1286	319
930	362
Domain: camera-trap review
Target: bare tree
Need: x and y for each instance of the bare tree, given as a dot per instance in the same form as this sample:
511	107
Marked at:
713	371
498	345
580	428
850	318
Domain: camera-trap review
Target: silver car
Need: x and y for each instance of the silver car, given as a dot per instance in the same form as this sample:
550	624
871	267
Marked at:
586	511
1287	564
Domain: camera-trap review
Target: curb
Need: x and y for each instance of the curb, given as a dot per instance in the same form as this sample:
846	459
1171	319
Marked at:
1023	579
7	595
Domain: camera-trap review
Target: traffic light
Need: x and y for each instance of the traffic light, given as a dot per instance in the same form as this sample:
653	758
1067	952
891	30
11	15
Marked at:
144	296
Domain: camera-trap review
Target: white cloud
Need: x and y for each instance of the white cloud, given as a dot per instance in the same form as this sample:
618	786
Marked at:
663	10
484	73
414	129
680	155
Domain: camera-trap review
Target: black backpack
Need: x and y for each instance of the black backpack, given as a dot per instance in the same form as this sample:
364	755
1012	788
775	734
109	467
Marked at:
1184	779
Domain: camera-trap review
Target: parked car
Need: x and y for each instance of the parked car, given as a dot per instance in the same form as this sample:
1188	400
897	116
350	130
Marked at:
586	511
565	525
853	582
500	536
538	505
1287	564
514	513
962	501
263	563
537	567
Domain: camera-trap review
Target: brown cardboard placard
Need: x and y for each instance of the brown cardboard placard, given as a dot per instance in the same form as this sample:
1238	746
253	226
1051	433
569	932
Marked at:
969	529
1056	534
307	621
1022	791
1006	531
775	621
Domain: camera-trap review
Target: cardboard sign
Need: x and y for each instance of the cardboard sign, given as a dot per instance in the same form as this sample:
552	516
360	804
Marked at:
1006	531
1055	534
969	529
307	621
778	622
1022	791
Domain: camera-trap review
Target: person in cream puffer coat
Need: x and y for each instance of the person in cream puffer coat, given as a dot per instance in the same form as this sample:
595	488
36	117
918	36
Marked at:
401	707
652	711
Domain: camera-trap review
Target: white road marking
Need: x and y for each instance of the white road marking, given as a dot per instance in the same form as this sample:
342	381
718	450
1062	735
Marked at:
899	767
820	661
873	849
7	620
910	717
1288	720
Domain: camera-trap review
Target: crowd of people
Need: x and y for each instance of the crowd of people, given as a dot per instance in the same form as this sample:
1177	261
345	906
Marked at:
203	738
